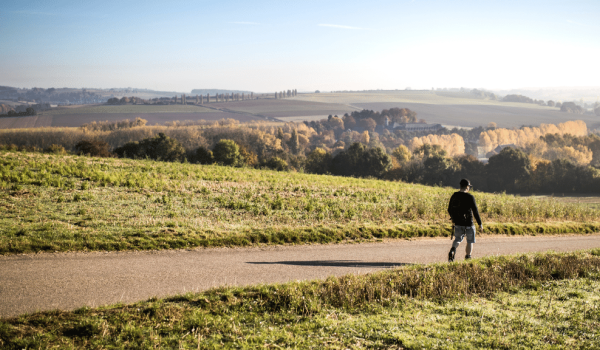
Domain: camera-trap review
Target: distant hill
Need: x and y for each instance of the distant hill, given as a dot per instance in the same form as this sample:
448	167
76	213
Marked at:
589	94
217	91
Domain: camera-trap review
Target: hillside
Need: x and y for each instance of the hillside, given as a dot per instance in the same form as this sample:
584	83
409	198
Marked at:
452	108
443	107
70	203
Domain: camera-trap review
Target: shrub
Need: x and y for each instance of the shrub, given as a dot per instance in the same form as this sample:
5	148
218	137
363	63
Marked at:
160	147
276	163
55	149
318	161
94	148
203	156
227	152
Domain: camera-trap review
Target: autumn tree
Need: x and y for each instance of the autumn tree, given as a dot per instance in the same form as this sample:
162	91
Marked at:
402	154
294	142
349	121
368	124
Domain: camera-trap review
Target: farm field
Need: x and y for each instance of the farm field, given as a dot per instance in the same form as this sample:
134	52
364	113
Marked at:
129	109
547	300
435	107
159	114
454	109
480	115
38	121
410	96
73	203
75	120
591	201
289	107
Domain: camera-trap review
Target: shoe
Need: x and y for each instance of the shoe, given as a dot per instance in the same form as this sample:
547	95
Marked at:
451	254
467	257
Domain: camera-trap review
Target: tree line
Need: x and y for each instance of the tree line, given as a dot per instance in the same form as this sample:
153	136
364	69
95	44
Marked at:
29	111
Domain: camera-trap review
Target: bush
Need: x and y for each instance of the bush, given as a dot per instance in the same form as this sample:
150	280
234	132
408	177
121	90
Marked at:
203	156
55	149
276	163
227	152
160	147
318	161
94	148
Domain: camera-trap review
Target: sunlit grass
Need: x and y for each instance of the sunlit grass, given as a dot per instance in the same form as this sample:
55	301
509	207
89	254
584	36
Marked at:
56	202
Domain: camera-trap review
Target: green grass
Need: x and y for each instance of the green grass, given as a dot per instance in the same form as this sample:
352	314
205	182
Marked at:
72	203
108	109
519	302
589	201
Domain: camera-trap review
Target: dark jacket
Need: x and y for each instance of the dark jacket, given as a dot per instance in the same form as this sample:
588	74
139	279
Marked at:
462	208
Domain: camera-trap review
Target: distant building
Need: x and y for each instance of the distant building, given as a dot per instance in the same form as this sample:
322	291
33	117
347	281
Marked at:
499	149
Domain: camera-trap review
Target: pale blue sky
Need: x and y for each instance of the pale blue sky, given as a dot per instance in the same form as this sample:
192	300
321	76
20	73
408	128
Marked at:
274	45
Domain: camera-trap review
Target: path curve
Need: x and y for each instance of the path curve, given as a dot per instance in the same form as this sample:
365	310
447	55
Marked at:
67	281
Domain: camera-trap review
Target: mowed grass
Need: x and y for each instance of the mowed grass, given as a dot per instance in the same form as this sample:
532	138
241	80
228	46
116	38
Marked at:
540	301
109	109
584	200
73	203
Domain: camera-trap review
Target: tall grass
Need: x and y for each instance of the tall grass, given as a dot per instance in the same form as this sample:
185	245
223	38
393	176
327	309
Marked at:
142	204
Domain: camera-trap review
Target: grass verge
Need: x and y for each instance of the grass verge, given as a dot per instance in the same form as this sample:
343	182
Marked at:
72	203
524	301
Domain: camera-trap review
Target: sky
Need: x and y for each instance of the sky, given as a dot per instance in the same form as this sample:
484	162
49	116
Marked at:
266	46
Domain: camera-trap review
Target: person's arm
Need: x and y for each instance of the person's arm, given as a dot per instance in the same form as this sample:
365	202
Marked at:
475	212
449	206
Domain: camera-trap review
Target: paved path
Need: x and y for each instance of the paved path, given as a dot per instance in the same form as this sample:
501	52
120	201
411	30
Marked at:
71	280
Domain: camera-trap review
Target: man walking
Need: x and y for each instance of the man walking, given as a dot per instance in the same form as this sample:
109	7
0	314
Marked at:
462	208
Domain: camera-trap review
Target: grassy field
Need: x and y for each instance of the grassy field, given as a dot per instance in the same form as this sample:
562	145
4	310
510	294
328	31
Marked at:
38	121
108	109
519	302
286	107
416	96
72	203
446	108
590	201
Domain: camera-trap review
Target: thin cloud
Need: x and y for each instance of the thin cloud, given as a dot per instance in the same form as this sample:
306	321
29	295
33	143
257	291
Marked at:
580	24
246	23
338	26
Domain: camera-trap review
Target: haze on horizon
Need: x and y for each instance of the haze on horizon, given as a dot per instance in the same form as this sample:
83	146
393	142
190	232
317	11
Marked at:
274	45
